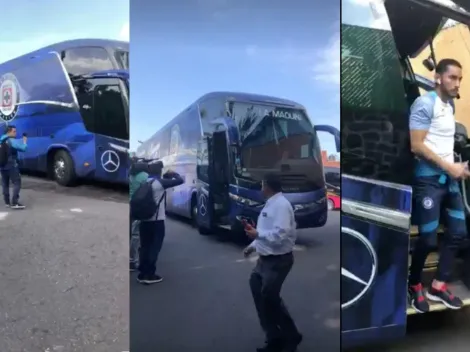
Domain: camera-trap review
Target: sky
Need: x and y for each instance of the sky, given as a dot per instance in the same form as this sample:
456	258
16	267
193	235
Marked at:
180	50
30	25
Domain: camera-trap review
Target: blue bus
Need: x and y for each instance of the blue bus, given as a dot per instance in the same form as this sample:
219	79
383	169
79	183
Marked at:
72	101
377	226
224	143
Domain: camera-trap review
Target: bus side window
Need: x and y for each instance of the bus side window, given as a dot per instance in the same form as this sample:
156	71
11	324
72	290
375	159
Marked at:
374	109
202	161
109	109
84	92
85	60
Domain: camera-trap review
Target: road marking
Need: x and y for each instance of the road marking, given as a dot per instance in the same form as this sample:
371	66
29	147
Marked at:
76	210
3	216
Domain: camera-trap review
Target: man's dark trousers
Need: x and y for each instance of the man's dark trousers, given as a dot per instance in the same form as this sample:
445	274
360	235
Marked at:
266	282
152	234
11	174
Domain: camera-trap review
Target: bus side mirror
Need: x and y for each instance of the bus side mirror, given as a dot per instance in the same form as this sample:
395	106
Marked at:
332	130
338	144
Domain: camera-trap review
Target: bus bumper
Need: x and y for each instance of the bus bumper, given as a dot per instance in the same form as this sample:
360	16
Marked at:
316	218
306	218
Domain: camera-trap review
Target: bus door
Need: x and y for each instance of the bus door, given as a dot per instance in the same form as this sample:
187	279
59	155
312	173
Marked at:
219	174
376	194
375	225
213	170
425	18
105	111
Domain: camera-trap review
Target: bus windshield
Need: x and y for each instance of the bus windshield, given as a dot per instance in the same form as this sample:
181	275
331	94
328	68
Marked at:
276	139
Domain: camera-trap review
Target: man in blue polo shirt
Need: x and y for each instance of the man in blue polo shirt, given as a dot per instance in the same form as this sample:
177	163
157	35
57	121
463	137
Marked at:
10	170
432	128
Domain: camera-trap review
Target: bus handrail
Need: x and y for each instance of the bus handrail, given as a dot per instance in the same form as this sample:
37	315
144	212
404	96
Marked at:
47	102
464	189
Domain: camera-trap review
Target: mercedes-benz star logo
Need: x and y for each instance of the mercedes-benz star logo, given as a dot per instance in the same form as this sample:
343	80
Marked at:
110	161
202	205
355	283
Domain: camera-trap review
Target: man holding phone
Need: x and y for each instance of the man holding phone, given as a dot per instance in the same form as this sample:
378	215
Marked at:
273	239
9	167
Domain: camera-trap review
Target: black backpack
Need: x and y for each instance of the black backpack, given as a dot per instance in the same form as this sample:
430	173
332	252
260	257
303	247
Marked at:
4	152
142	203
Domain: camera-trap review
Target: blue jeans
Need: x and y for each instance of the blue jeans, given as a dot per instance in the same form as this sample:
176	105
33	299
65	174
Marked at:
432	196
134	247
152	234
12	174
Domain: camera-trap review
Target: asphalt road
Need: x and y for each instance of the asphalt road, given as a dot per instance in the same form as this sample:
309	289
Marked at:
204	303
64	270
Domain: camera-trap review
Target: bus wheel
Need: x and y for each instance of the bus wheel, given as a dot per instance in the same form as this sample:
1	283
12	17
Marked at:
203	231
194	212
63	169
331	205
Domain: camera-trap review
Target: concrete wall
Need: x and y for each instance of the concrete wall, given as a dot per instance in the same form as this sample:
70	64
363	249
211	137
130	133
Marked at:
452	42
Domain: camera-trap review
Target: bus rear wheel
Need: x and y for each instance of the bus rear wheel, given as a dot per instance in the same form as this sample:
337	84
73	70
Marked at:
194	213
63	169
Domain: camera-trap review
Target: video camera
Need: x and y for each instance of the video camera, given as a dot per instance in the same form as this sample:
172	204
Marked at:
151	166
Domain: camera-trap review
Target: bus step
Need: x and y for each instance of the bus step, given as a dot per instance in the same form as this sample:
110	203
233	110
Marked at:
458	288
414	230
431	261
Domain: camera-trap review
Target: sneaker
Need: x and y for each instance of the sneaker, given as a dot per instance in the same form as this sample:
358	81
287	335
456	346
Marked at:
7	205
132	266
444	296
149	279
417	298
17	206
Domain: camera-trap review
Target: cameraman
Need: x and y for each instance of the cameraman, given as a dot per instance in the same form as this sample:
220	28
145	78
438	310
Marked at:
152	231
9	167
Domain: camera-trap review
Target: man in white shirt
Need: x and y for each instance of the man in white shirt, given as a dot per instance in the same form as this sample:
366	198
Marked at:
436	187
273	239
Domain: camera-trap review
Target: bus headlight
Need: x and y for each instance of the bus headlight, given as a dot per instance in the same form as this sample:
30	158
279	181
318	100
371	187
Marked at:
244	201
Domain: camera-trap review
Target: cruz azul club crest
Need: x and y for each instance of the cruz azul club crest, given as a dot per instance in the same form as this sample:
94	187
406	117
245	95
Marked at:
9	97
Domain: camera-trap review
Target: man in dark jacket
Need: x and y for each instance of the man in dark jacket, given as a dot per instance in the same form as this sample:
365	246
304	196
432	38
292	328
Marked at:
137	175
152	231
11	171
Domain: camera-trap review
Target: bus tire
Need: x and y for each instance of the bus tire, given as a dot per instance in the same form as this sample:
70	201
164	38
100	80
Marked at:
194	211
63	168
203	231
